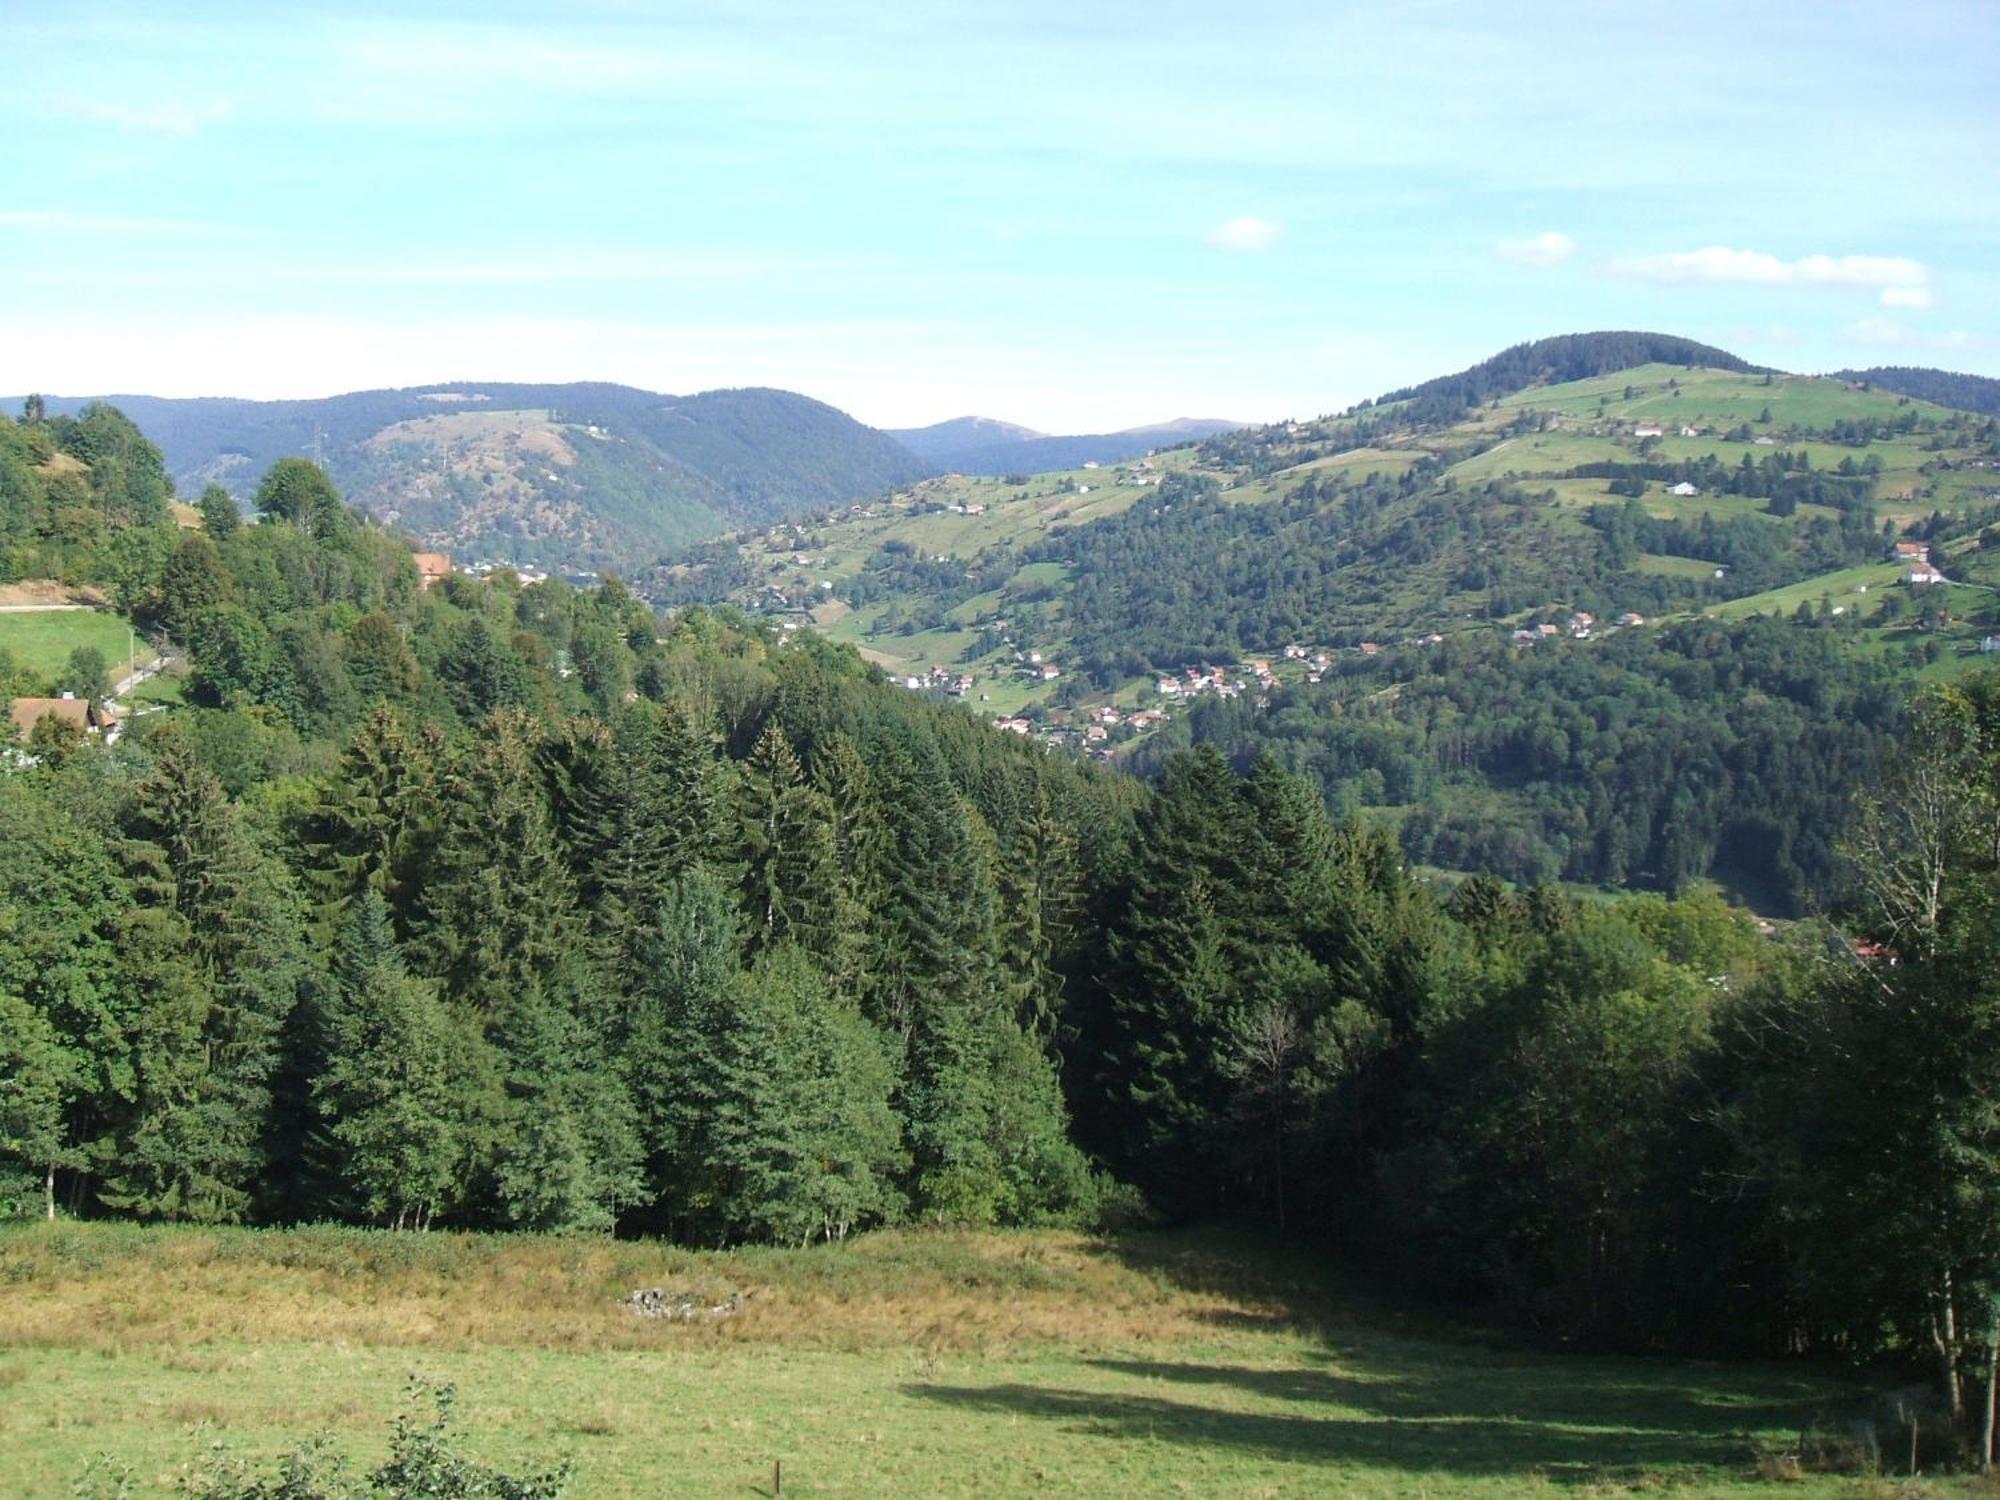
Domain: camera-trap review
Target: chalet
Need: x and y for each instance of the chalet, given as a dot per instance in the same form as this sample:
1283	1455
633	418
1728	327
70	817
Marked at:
1013	726
432	568
1631	617
1683	488
1050	673
1096	732
1526	637
1913	552
1546	630
1690	432
1922	575
1170	687
1370	648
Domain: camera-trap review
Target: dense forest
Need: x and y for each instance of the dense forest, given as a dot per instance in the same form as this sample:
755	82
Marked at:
497	906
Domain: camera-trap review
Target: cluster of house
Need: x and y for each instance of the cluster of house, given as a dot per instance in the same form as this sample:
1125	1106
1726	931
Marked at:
940	680
1919	570
1195	681
1092	733
1031	664
1581	625
1655	429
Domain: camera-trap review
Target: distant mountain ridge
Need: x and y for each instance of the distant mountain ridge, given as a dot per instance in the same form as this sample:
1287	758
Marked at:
984	445
588	474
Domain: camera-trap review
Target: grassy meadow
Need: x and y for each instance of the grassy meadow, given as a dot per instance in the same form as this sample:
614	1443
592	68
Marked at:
897	1364
42	639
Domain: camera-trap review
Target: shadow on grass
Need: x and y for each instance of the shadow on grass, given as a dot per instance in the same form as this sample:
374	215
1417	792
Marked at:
1561	1445
1401	1389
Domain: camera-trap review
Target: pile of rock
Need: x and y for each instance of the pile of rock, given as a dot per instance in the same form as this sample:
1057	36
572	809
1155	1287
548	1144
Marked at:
682	1307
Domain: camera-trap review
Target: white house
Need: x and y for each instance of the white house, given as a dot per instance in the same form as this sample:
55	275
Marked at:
1683	488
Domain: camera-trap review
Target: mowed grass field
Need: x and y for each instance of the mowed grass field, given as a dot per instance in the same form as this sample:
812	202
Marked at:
42	639
897	1364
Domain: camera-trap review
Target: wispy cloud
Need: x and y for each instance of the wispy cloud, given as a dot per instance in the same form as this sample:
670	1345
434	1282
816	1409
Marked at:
1906	296
63	221
1248	233
172	117
1901	281
1888	333
1541	250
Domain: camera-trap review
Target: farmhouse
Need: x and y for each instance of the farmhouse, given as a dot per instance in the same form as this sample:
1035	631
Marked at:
1923	574
1913	552
86	717
1683	488
1648	429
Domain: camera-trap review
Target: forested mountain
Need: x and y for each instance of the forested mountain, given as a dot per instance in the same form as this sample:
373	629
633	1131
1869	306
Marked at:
1945	387
492	905
585	475
1450	568
980	445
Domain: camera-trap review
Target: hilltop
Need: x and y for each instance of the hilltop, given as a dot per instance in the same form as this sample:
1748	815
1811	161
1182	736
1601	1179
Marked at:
590	475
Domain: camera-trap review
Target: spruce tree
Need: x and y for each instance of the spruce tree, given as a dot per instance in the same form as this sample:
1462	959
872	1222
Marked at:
499	911
790	885
237	922
388	1091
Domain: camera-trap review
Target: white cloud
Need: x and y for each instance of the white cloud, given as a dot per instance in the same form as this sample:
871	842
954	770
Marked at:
174	117
1718	265
1541	250
1906	296
1245	233
1891	334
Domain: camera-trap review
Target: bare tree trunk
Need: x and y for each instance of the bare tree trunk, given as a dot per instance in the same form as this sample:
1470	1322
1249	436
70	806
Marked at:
49	1192
1992	1400
1944	1335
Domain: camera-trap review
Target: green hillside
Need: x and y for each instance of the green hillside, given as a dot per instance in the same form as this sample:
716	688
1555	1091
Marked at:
1346	551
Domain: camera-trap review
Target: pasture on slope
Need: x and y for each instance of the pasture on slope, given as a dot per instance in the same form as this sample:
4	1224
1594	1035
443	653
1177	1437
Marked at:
913	1363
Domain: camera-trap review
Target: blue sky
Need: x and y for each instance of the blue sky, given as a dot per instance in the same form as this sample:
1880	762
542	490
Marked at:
1078	215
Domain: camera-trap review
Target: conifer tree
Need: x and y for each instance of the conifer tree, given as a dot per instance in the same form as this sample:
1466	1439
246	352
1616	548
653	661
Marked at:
691	970
791	888
801	1142
860	852
499	911
387	1091
569	1152
236	920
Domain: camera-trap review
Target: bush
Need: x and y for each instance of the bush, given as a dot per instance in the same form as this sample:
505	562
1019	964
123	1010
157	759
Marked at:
421	1466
